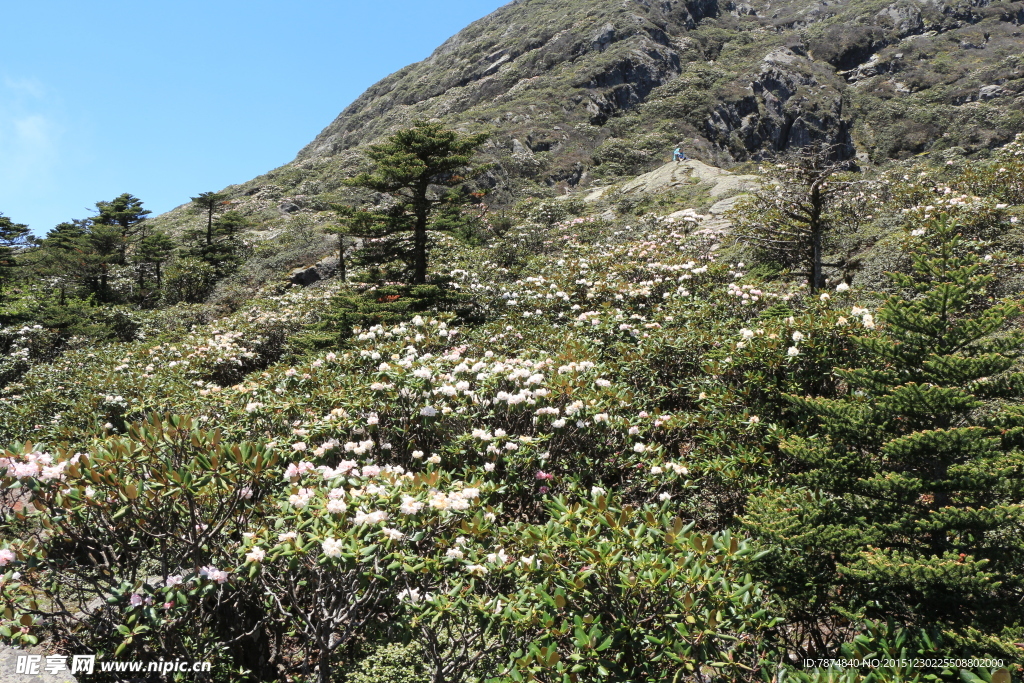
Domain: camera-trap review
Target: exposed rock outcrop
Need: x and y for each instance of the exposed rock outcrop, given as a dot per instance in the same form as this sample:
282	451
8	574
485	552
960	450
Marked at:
792	102
320	270
9	667
678	174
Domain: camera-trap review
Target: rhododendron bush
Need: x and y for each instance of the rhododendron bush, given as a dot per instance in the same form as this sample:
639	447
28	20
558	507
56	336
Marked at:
172	542
559	489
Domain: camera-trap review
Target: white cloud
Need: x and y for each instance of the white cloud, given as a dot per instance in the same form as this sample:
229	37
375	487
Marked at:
29	139
29	86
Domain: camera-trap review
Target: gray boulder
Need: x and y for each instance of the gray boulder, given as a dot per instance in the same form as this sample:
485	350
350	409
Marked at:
9	667
320	270
990	92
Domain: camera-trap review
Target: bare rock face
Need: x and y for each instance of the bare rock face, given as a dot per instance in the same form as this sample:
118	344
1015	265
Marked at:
990	92
790	103
554	42
9	667
677	174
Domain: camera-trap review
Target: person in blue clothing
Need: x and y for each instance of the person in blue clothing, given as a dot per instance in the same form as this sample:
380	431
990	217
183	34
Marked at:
678	155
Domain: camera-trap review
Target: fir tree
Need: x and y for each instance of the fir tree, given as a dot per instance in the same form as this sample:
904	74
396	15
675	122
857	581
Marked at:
13	238
793	218
124	212
108	247
155	249
208	202
349	224
65	254
904	498
423	169
219	246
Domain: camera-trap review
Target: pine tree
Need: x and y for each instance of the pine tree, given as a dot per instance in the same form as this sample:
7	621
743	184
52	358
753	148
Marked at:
423	169
155	249
904	497
209	202
13	238
793	218
124	212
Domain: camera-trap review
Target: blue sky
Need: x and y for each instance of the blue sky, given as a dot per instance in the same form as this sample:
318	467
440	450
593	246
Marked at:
168	99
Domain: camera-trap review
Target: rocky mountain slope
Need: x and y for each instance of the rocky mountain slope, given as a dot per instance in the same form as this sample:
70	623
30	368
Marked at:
580	93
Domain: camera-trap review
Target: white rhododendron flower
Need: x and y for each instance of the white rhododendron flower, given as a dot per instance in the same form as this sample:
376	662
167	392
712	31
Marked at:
256	555
410	506
498	557
332	547
214	574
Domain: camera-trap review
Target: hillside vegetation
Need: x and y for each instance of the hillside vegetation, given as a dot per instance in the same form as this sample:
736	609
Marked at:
480	389
600	445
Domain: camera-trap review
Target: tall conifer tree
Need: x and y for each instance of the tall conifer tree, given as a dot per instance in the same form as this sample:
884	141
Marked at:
125	213
13	238
421	169
209	202
905	493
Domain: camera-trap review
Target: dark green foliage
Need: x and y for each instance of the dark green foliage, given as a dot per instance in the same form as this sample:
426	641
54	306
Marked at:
209	202
904	487
793	218
155	250
123	214
189	280
391	663
385	305
108	246
619	157
423	170
66	252
13	238
124	211
218	246
81	254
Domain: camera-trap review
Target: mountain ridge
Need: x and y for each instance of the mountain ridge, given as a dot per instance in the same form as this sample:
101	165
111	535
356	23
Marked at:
578	93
